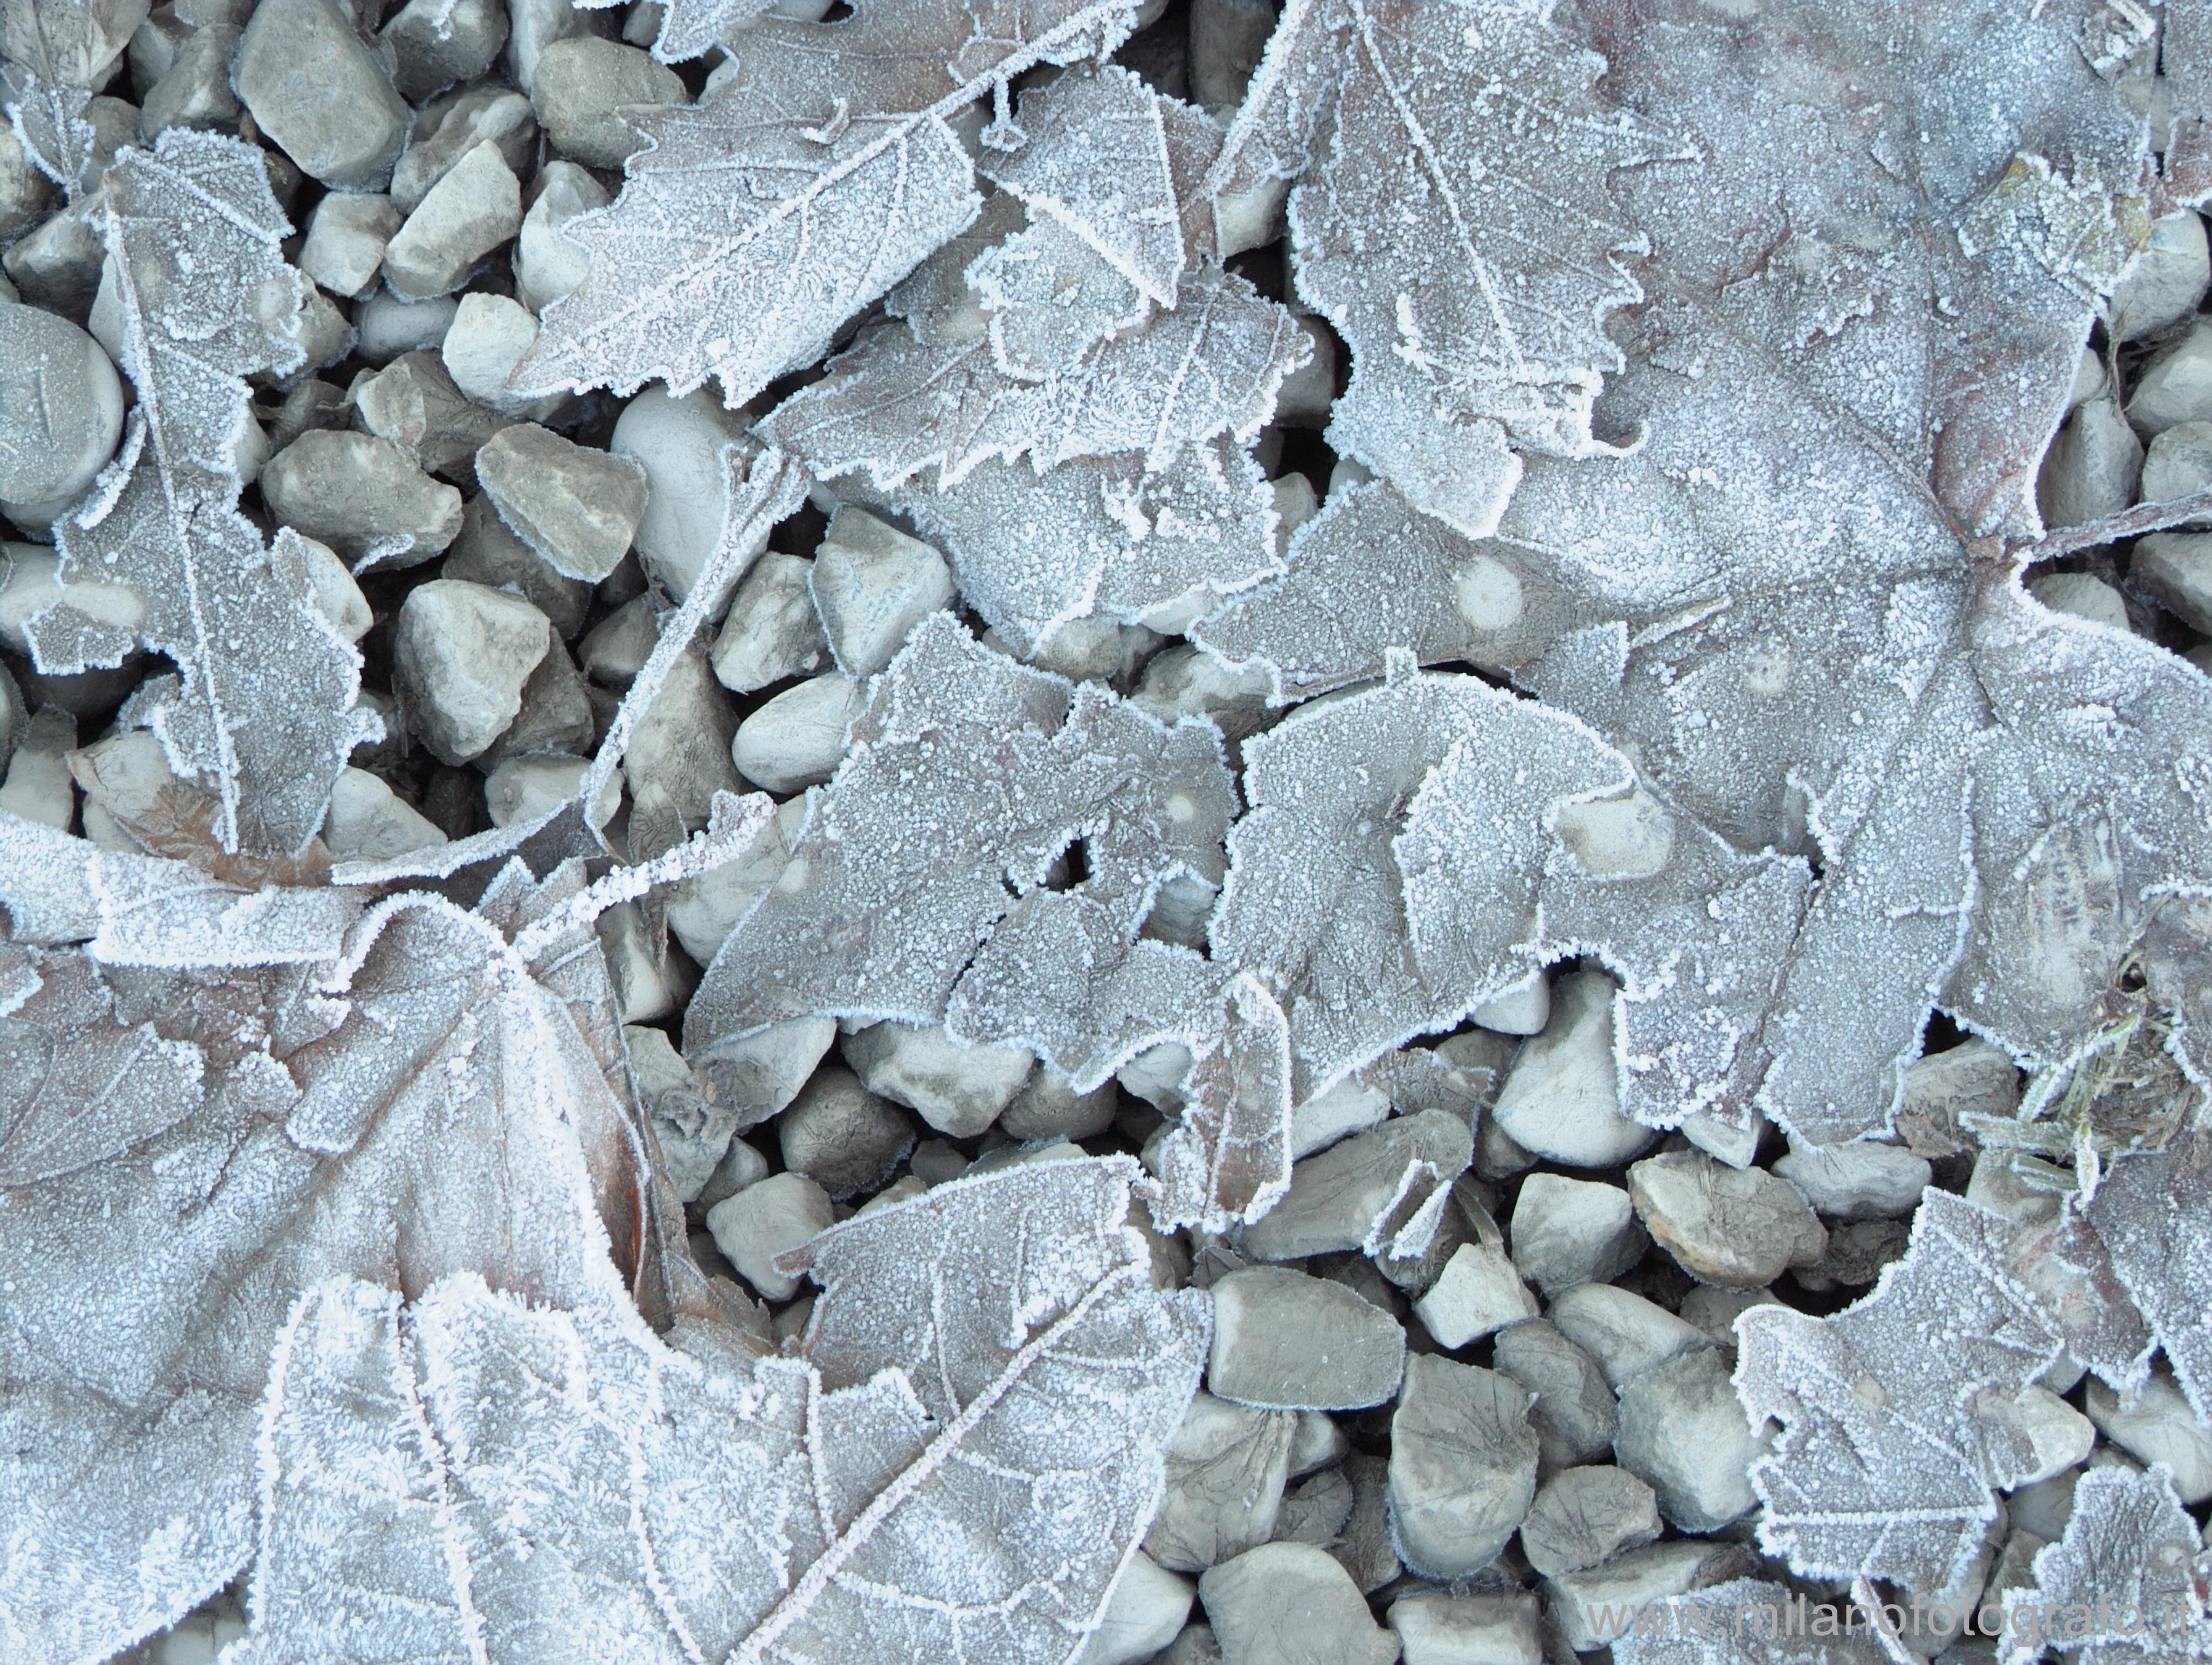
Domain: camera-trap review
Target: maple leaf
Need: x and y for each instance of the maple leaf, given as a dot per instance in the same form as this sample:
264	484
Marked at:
2131	1564
1897	1414
2153	1216
1782	602
818	173
520	1484
265	712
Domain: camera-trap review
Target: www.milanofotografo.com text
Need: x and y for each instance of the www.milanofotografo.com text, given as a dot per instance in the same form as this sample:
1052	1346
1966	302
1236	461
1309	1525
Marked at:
2021	1622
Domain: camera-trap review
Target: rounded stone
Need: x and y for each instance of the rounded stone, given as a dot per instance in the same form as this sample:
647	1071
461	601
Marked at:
61	413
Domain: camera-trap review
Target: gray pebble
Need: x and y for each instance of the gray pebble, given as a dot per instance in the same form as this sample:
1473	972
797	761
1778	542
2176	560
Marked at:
2178	462
195	91
1583	1516
487	553
1337	1194
2175	568
61	414
1575	1414
413	403
1561	1100
616	649
1283	1341
2167	282
1566	1231
751	1228
872	583
678	443
690	1128
1227	38
576	506
437	43
1143	1615
1047	1107
2176	385
1478	1293
1683	1431
352	491
578	86
1624	1332
346	237
1317	1510
450	128
1462	1466
797	740
534	25
320	93
1580	1604
839	1133
1861	1180
388	325
2082	595
547	263
555	714
757	1076
1227	1466
56	265
2155	1425
489	337
469	212
1290	1604
460	656
958	1090
2091	468
1739	1227
1434	1628
679	755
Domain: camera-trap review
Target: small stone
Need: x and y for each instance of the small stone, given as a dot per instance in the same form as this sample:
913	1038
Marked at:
534	25
617	648
61	414
1226	1466
703	911
2178	462
872	583
1462	1466
355	491
367	822
56	265
679	756
1227	38
2176	386
1714	1311
1480	1292
757	1076
521	788
1566	1231
548	264
1861	1180
1337	1196
1143	1615
320	331
2081	595
649	984
1583	1517
460	656
1739	1227
741	1165
1574	1415
450	128
1283	1341
577	507
1290	1604
31	582
1974	1078
1437	1629
1194	1645
488	554
557	716
691	1130
1593	1608
2060	1436
2175	569
1624	1332
2044	1506
488	335
797	740
39	786
195	91
436	44
1317	1512
2155	1425
782	1212
2165	283
1047	1107
346	238
24	190
580	85
1352	1105
1306	392
1523	1009
387	325
309	404
414	403
471	211
840	1134
320	93
1092	649
958	1090
2092	467
678	443
1183	680
1684	1432
1562	1100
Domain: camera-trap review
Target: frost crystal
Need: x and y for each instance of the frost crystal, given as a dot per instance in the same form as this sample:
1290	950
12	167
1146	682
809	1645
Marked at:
266	713
2131	1565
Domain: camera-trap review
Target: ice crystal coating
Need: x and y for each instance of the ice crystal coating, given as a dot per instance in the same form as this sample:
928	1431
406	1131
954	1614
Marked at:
265	713
818	174
2131	1565
1897	1414
689	1502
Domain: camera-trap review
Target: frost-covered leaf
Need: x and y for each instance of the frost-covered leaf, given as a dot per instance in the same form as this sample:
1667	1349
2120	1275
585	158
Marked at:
1228	1160
1897	1414
1745	1621
1099	537
1456	231
49	122
2153	1212
816	175
1105	156
266	714
898	403
1337	892
2123	1586
964	779
690	28
488	1480
422	1105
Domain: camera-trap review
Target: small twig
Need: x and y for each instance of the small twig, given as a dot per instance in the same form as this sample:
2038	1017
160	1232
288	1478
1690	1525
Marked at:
2144	518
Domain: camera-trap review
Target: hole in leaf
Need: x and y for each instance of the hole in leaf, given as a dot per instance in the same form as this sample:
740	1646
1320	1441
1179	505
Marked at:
1071	868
